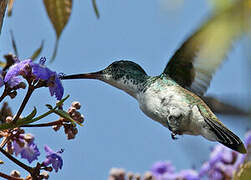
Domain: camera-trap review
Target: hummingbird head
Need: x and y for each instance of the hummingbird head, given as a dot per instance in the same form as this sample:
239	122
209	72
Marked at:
125	75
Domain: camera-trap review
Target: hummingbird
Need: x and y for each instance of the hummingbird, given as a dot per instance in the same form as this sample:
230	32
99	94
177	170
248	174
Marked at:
173	98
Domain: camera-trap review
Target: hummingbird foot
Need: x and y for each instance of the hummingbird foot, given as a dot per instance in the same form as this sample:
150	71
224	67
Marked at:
173	135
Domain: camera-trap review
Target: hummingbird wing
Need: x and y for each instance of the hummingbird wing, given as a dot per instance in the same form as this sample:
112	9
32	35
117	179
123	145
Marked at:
194	63
224	108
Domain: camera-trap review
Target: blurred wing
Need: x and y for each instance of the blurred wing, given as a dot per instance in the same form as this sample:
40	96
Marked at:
223	108
193	65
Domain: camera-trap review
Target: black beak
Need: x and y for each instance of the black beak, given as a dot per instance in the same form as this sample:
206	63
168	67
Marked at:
94	75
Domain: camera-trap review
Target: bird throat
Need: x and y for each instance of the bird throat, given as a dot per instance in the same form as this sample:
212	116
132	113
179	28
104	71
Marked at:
132	85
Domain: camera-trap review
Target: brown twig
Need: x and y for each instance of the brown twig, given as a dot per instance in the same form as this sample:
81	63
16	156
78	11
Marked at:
9	177
19	163
26	99
5	93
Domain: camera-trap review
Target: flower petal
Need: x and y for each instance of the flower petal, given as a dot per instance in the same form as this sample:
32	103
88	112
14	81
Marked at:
16	69
53	158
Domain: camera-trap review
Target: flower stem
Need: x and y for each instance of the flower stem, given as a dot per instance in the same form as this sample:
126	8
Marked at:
9	177
26	99
43	124
23	121
5	140
19	163
5	93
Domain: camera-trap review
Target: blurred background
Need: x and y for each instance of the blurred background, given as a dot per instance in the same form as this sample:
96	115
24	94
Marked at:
116	133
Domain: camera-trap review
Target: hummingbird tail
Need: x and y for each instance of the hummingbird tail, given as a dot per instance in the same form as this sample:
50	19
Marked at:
226	137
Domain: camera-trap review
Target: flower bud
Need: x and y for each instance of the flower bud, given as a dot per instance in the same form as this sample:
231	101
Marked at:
148	176
28	137
72	110
56	127
45	174
130	175
8	119
15	173
13	94
76	104
70	135
22	85
137	176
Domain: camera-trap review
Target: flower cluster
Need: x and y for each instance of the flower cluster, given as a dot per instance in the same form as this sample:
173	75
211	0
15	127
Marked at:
24	145
165	171
17	142
223	164
69	129
34	73
120	174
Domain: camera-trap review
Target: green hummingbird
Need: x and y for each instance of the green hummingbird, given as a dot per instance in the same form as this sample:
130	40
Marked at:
174	97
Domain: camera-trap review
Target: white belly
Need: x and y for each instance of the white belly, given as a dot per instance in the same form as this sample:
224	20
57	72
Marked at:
163	104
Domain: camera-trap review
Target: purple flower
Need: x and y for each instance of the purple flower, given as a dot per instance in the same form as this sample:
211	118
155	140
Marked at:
161	167
26	147
204	169
12	82
168	176
56	87
53	158
189	174
38	71
44	73
216	154
216	175
19	68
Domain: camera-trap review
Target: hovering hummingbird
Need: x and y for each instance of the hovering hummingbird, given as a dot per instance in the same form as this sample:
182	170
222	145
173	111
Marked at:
174	97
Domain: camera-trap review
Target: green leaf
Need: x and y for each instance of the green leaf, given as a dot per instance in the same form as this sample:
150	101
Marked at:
59	12
94	4
219	5
37	51
61	102
10	7
14	45
19	122
3	4
65	115
49	106
2	64
29	117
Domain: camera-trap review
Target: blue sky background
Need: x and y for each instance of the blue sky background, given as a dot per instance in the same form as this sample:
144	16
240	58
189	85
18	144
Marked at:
116	133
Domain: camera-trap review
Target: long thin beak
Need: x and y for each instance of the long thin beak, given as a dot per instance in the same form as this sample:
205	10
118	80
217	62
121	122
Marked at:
94	75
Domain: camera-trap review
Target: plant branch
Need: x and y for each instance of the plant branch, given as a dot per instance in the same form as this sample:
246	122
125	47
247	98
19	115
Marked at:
26	99
57	122
6	140
9	177
19	163
5	93
21	122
